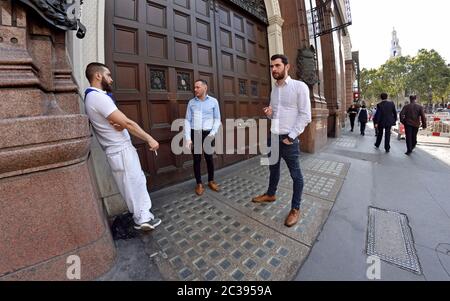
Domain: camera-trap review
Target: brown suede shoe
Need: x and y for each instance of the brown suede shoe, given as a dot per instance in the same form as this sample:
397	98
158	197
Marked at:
292	218
199	189
264	199
213	185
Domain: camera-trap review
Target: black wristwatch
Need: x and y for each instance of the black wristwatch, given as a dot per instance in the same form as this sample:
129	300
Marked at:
290	139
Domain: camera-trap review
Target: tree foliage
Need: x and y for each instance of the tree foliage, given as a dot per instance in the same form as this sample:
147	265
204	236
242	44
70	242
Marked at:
425	75
429	76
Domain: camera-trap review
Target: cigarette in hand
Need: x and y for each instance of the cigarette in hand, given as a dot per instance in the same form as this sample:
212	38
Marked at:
156	153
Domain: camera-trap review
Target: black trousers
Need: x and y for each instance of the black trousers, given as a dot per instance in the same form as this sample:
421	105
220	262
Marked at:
411	137
352	121
363	128
387	138
198	150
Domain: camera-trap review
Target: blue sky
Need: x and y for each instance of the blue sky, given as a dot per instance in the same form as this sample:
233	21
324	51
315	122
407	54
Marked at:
419	24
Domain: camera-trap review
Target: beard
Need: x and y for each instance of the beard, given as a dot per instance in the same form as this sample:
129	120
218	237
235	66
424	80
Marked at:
279	76
200	94
106	86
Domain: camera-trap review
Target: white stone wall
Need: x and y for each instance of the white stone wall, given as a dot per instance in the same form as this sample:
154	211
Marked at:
274	31
346	40
82	52
92	47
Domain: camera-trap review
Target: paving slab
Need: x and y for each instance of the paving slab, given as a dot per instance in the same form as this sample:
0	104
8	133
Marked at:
345	142
224	236
238	191
203	239
316	184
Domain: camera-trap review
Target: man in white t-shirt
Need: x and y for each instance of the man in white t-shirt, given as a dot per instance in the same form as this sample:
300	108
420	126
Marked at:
112	128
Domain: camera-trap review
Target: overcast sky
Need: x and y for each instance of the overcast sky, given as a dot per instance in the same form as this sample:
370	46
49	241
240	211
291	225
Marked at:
419	24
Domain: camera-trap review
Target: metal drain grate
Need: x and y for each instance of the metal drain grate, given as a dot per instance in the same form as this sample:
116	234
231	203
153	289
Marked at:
390	238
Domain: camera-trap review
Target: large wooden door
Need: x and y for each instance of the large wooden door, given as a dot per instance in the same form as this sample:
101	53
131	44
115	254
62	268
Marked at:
243	69
157	49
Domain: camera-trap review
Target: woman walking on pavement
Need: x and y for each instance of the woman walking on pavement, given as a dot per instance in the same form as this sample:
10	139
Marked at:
352	112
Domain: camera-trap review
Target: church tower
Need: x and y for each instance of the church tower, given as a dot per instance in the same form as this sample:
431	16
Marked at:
396	50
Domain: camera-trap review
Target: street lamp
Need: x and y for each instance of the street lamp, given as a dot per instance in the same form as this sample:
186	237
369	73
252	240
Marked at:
430	95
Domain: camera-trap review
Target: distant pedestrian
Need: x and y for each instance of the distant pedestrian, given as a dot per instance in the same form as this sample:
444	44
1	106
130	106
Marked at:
385	118
352	112
363	117
411	116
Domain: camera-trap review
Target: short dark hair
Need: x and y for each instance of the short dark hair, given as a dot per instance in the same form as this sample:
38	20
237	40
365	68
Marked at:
93	68
283	58
384	96
203	81
413	98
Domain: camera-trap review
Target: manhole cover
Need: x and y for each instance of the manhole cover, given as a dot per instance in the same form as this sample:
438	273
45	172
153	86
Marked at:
389	237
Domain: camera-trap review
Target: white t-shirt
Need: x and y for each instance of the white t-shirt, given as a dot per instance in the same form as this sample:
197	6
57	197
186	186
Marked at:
99	106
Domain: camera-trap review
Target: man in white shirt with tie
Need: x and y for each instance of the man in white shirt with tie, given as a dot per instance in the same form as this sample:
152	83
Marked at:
290	111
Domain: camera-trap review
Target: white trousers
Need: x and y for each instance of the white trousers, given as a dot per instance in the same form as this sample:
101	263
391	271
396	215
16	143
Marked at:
132	184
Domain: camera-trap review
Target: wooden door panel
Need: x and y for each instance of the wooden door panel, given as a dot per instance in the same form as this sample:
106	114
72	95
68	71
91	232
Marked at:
125	9
185	27
160	47
243	53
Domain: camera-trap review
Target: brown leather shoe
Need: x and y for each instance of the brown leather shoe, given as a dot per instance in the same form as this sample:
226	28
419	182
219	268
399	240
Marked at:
213	185
264	199
292	218
199	189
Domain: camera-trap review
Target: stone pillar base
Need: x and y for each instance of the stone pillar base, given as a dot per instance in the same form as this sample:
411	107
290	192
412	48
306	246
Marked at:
45	218
315	136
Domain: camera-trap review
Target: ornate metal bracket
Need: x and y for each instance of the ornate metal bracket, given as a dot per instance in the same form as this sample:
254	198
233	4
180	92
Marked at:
257	8
62	14
307	66
316	18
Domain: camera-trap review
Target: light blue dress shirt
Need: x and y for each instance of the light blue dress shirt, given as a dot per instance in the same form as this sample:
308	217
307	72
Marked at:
202	115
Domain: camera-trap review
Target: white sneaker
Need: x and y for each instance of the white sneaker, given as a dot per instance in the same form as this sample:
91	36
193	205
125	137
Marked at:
148	226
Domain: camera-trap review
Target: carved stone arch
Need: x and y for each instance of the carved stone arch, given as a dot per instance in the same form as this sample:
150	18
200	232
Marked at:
274	29
274	20
272	8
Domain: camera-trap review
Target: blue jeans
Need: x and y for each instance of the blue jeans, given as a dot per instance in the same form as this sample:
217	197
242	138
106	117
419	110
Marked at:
291	155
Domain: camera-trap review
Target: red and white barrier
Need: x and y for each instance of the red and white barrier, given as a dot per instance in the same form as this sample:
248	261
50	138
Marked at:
438	125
